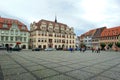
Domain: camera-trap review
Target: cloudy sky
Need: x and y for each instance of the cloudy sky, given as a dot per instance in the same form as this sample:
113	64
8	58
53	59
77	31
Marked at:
83	15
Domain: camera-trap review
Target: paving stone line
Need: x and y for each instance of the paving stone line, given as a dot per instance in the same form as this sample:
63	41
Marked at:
37	78
1	74
93	64
63	61
74	69
104	71
49	68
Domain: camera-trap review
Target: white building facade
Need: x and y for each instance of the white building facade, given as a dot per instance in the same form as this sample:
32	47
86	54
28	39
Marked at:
13	32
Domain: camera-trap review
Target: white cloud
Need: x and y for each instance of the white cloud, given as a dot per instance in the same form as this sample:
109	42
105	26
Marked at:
80	14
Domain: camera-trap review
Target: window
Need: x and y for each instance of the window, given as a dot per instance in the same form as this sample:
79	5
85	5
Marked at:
50	34
55	35
12	32
11	38
20	38
6	38
24	38
5	26
89	40
55	40
2	38
2	32
23	27
16	38
6	32
24	34
45	41
16	32
38	40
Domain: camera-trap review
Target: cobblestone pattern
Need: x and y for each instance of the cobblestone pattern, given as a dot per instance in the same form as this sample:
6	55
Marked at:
1	74
59	65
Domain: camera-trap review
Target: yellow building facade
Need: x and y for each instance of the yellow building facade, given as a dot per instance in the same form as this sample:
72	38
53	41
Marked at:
50	34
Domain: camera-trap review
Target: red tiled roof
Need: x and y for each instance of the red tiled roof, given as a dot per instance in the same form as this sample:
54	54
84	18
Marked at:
111	31
89	33
82	36
9	23
52	22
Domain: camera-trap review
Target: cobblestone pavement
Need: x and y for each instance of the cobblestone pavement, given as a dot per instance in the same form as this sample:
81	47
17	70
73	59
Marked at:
59	65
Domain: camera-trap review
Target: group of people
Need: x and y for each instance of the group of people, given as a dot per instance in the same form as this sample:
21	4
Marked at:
96	49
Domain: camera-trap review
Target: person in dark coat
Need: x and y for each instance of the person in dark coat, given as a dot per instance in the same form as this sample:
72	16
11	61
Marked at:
10	48
7	47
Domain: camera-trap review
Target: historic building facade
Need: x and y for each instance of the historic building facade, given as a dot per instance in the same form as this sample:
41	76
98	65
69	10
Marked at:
77	42
110	35
96	37
86	38
119	38
50	34
13	32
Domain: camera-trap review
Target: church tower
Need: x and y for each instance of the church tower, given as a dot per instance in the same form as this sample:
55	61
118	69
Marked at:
55	19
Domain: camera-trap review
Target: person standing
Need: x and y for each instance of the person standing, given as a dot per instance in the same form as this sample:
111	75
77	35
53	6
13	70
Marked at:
7	47
10	48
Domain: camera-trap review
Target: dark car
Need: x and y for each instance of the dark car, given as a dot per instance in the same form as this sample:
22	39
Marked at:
2	48
16	49
59	49
36	49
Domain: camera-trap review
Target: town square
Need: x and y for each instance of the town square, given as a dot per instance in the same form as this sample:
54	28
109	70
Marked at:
59	40
59	65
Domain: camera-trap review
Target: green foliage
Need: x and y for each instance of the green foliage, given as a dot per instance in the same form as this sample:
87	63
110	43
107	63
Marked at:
102	45
118	44
82	45
110	45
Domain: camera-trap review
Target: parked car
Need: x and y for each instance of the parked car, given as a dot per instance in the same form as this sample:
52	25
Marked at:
16	49
36	49
50	49
2	48
59	49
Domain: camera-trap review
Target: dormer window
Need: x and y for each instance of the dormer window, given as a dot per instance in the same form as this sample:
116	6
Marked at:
14	25
23	27
44	23
62	27
5	26
2	32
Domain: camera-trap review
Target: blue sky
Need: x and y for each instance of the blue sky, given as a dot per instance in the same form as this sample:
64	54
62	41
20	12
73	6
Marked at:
83	15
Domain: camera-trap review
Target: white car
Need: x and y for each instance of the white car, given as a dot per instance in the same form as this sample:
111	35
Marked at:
50	49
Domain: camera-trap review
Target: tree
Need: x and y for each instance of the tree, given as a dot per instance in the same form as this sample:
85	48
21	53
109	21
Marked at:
110	45
82	45
102	45
118	44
